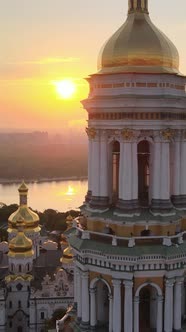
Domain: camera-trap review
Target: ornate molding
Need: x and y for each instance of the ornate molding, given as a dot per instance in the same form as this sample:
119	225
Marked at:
127	134
91	132
167	134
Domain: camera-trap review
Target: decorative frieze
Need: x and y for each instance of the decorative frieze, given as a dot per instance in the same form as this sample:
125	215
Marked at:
127	134
167	134
91	132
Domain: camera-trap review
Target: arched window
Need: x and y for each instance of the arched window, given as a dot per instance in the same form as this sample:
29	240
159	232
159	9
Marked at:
10	304
20	268
19	304
143	172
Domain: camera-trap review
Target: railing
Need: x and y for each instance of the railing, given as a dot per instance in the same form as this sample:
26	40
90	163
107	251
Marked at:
132	241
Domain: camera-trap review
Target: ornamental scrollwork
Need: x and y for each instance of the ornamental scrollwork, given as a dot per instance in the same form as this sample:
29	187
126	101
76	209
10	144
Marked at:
127	134
91	132
168	134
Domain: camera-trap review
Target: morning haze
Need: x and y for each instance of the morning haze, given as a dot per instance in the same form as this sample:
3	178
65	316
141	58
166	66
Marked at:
46	41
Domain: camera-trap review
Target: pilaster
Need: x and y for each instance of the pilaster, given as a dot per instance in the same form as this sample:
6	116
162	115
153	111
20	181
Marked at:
93	308
85	300
177	304
168	308
128	307
117	305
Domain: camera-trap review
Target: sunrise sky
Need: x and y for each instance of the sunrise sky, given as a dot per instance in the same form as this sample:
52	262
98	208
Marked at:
43	41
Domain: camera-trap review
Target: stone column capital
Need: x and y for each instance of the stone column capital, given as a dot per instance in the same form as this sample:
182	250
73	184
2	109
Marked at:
167	134
128	283
127	135
169	282
85	275
116	282
91	133
179	280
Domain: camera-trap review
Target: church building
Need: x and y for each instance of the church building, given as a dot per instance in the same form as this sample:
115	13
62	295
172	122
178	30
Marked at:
130	254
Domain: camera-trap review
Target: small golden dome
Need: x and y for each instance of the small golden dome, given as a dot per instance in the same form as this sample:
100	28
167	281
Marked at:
67	256
30	218
20	245
138	46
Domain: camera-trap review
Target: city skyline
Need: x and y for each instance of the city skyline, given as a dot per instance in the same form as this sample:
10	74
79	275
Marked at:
45	42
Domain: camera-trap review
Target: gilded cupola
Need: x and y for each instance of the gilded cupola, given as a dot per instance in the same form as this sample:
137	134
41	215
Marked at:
138	46
20	246
67	257
30	218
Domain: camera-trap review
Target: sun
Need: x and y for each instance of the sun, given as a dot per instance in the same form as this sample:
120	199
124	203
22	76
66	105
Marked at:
65	88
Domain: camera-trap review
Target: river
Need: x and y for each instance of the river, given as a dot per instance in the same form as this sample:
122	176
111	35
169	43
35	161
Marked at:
57	195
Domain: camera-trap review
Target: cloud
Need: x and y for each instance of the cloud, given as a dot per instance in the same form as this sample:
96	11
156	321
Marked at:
46	61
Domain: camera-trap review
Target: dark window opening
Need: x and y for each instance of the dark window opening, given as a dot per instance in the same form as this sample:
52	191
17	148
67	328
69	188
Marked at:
143	172
42	315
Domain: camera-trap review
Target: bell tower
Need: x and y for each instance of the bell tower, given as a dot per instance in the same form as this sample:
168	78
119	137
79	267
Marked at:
130	256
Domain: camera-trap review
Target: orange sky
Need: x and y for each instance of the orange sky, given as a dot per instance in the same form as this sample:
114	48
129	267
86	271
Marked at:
44	41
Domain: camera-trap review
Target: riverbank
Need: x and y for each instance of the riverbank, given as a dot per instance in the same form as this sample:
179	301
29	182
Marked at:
43	180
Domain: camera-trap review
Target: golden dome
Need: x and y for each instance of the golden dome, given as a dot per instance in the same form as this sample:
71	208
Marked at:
20	245
138	46
67	256
30	218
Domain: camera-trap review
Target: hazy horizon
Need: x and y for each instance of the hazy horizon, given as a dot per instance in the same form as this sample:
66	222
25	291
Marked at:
47	41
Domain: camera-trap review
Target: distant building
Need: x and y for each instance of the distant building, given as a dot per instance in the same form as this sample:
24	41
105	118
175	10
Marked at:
130	258
34	283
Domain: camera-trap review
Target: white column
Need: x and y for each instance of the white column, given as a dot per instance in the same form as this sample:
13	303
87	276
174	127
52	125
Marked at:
85	298
156	170
176	168
104	166
95	167
117	305
165	171
134	171
79	294
159	319
178	303
93	307
168	314
136	313
128	307
75	283
125	171
183	168
90	170
110	313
